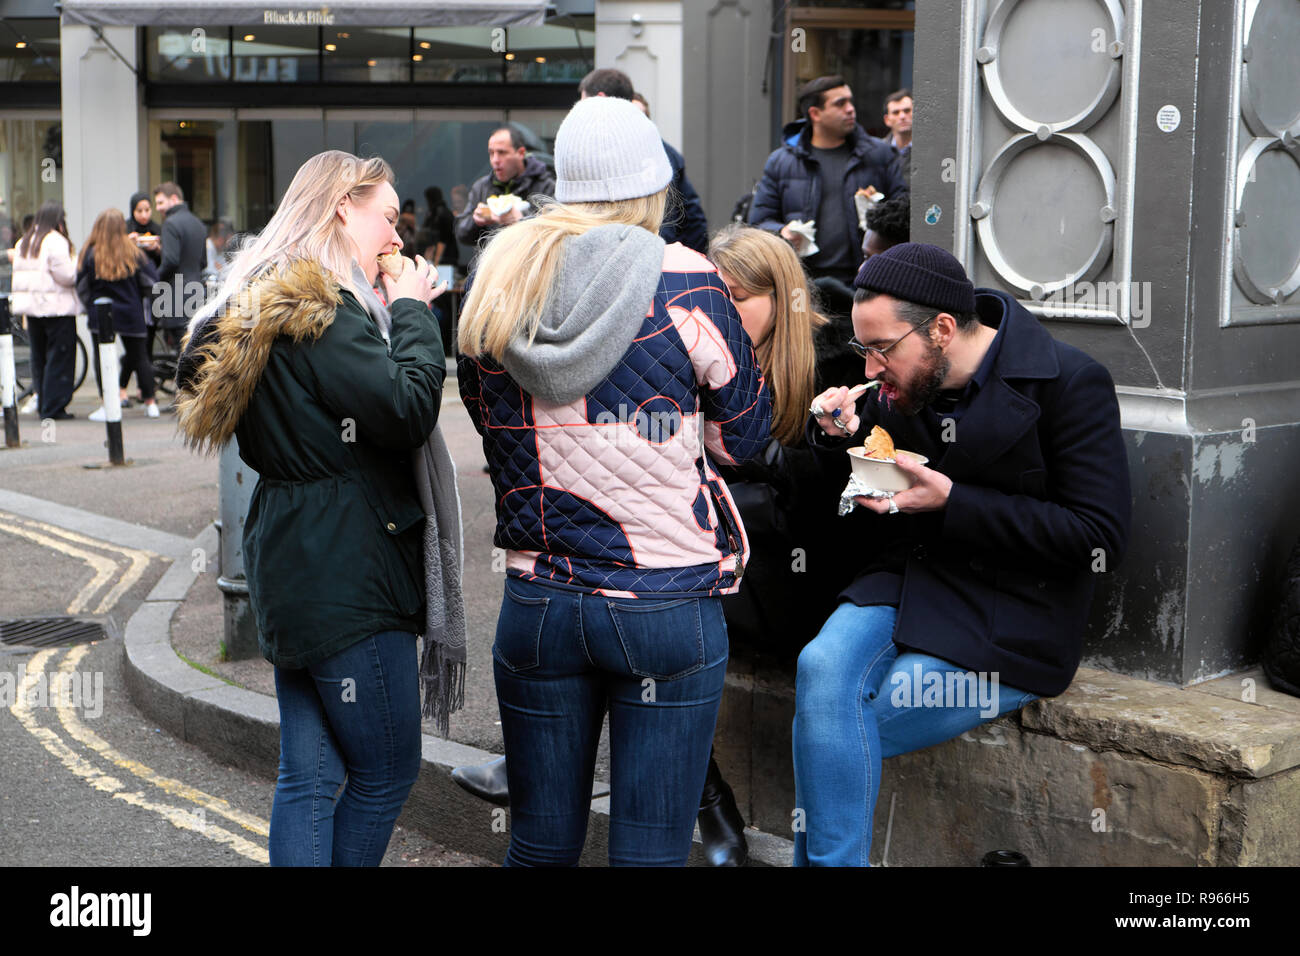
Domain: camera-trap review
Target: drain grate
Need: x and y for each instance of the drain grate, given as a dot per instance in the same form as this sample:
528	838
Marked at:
50	631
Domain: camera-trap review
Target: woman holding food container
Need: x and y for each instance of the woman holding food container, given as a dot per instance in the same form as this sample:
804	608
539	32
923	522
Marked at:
333	396
141	229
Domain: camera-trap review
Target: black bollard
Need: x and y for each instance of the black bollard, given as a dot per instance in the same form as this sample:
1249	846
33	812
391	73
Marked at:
108	372
8	377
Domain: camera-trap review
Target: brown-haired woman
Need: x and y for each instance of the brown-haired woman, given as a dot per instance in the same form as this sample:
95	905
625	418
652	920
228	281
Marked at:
112	266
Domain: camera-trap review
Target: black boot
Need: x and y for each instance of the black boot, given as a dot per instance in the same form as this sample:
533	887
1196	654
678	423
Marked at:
721	826
486	781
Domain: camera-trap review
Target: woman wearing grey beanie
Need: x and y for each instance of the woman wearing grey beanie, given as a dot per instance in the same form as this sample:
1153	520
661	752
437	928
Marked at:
599	365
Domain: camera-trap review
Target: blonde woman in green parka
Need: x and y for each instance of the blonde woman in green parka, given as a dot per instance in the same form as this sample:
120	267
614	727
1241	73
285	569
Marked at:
331	395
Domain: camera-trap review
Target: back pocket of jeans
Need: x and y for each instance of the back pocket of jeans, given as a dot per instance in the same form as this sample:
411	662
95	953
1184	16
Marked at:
662	639
519	630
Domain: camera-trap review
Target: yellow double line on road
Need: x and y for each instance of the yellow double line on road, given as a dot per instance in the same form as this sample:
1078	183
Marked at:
193	820
105	568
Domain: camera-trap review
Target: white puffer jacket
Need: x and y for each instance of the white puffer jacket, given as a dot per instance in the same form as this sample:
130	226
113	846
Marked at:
43	284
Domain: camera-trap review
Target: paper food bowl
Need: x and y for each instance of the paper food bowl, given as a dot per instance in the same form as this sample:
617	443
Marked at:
883	475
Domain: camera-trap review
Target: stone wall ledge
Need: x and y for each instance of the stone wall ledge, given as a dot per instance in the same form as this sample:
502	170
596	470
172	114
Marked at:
1208	726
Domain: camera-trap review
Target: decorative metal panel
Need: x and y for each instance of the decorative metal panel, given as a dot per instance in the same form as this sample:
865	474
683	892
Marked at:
1264	236
1051	162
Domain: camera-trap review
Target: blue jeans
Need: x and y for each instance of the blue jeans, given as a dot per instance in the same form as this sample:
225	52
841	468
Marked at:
560	659
356	714
857	701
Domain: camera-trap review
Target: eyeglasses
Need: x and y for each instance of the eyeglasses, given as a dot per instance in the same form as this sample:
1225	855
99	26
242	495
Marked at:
864	351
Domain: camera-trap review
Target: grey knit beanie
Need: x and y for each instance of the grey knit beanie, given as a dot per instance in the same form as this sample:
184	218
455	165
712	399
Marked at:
607	149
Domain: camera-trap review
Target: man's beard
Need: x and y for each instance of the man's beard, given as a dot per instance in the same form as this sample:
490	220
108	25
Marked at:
926	383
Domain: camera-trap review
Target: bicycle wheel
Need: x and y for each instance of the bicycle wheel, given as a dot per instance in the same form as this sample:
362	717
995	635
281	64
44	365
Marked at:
82	363
22	362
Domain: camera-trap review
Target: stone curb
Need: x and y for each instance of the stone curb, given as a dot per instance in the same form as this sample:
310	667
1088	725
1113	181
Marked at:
242	728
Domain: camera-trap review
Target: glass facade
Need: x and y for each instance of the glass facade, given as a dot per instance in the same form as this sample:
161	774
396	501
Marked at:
31	154
352	55
29	51
238	168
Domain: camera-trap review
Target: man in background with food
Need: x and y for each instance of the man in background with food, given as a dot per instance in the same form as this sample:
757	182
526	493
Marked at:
809	186
974	583
501	197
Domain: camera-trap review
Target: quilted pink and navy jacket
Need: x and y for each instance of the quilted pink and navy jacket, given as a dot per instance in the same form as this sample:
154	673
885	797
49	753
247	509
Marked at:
610	492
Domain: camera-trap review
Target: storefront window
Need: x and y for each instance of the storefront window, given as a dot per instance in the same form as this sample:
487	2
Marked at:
353	55
548	54
459	55
276	54
367	55
238	169
201	55
29	51
30	156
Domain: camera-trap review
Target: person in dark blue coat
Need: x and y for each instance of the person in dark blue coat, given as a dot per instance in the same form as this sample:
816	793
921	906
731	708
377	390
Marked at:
684	221
973	585
825	159
113	266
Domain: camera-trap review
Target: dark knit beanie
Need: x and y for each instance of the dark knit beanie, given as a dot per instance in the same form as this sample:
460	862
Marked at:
919	273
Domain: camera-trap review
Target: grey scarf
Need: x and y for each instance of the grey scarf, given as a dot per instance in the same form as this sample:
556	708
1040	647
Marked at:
442	667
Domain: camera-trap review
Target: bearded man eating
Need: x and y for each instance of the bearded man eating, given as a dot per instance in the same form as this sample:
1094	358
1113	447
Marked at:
974	584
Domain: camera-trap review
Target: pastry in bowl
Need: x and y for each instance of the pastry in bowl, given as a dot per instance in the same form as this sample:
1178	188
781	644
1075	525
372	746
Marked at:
875	463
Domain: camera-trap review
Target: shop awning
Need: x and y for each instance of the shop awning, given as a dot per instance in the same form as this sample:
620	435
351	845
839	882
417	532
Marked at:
357	13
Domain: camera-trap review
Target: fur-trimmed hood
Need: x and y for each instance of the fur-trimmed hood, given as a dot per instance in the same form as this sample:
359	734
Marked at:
223	359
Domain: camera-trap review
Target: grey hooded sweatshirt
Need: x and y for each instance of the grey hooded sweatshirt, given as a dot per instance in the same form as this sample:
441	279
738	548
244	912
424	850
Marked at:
606	281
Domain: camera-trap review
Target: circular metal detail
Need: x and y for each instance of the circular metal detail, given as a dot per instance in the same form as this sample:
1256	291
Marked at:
1270	71
994	67
1277	234
990	192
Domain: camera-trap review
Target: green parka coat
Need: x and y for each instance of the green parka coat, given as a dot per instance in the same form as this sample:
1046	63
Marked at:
328	416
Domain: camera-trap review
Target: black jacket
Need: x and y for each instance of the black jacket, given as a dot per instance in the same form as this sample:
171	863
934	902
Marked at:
1000	580
684	222
535	178
788	507
184	256
334	539
130	296
791	185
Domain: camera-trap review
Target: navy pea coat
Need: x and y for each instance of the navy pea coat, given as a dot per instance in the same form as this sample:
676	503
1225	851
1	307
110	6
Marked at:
1001	579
